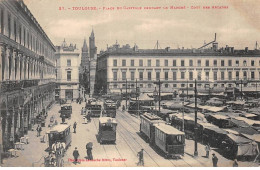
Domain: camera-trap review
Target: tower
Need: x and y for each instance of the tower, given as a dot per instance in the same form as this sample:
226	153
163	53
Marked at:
92	46
84	56
93	61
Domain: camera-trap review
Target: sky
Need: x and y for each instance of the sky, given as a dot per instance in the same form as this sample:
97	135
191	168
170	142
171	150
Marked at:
237	26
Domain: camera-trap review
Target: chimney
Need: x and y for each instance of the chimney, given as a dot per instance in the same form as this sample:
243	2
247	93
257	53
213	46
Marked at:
167	49
232	49
246	49
215	46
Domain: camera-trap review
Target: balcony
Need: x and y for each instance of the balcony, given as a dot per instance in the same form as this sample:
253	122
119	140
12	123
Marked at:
8	86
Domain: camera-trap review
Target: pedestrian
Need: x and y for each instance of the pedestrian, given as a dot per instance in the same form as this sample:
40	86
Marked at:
74	127
37	129
235	163
82	111
89	153
207	149
63	119
214	160
141	157
76	155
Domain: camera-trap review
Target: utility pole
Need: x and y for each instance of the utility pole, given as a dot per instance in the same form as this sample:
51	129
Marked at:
241	89
187	90
195	129
159	96
256	89
137	102
126	94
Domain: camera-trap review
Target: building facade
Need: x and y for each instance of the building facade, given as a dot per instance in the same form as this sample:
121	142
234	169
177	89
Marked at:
27	71
67	72
176	69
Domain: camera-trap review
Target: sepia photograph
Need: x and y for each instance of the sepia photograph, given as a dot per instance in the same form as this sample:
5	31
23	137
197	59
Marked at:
129	83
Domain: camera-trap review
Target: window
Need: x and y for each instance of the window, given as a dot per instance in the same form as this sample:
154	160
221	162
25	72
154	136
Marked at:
141	85
149	63
207	76
132	75
182	85
252	75
174	75
191	63
149	75
20	34
115	86
115	63
199	63
157	63
149	85
68	75
245	75
222	63
207	63
141	75
132	63
182	63
141	63
237	63
191	75
222	75
237	75
68	62
166	63
229	63
24	36
9	25
123	75
215	62
191	85
15	32
166	75
215	75
157	75
199	75
2	20
182	75
215	85
230	75
244	63
174	85
174	63
114	75
166	85
123	63
252	62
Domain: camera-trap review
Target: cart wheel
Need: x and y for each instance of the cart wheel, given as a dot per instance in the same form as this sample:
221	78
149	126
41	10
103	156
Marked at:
61	163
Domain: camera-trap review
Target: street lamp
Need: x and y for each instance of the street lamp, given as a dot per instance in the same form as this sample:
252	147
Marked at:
155	95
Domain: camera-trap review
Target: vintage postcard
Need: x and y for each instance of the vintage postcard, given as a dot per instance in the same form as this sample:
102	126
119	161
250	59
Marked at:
129	83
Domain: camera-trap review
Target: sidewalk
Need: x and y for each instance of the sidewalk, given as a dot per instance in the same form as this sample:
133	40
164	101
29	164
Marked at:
33	153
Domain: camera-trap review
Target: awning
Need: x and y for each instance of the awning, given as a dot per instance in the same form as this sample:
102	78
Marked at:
255	137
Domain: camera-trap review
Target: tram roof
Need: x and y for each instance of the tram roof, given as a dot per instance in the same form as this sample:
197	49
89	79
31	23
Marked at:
58	128
168	129
104	120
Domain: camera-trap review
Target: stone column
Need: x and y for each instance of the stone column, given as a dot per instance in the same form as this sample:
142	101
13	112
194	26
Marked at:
25	68
2	62
7	56
13	57
21	66
18	62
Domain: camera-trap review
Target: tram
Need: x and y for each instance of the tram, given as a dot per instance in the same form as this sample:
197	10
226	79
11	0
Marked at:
59	133
107	129
168	139
110	108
